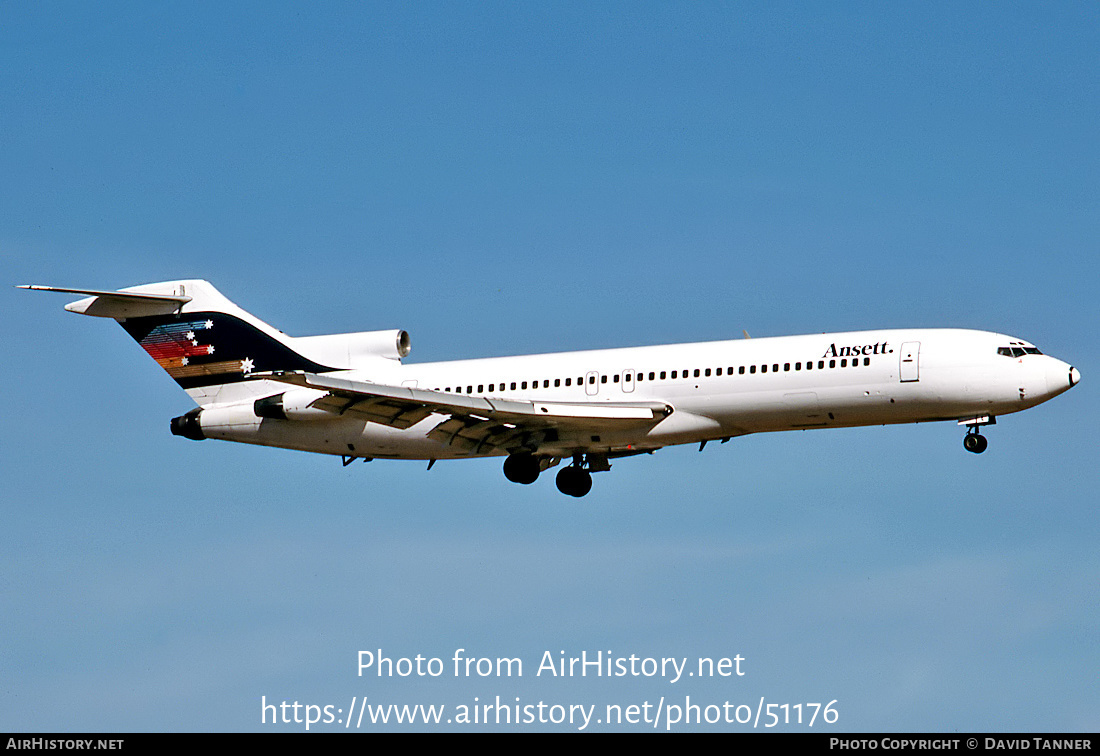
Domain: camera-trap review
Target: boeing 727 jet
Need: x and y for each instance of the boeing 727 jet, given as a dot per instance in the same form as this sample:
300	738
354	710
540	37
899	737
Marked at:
352	396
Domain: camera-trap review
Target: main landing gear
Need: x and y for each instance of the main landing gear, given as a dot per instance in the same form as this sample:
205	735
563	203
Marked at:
573	480
522	468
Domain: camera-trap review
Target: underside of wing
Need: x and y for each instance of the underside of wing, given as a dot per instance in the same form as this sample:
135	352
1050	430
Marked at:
468	423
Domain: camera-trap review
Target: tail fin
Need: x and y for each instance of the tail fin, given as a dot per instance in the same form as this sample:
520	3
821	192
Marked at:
198	336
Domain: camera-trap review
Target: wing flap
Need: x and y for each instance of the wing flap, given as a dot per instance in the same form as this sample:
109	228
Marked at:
467	422
473	436
383	410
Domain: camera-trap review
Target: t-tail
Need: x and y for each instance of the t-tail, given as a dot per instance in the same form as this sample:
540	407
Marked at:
211	347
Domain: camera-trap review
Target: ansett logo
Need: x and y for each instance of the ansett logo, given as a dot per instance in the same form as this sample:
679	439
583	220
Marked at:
856	351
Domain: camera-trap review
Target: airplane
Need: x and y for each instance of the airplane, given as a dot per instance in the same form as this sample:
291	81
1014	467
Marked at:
352	395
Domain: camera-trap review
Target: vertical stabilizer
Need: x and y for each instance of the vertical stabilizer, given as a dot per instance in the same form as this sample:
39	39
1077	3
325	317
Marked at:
203	341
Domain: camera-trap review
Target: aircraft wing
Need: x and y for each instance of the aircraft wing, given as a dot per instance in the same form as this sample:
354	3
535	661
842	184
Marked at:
470	423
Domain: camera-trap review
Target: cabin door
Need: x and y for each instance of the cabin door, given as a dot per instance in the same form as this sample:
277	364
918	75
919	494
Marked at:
910	355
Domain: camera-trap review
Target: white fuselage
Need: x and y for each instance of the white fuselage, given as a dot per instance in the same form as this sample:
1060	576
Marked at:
716	389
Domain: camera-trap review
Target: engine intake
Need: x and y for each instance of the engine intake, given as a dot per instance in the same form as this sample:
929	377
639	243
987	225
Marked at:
291	405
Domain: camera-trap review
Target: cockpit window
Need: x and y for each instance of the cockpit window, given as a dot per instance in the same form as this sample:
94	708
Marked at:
1017	351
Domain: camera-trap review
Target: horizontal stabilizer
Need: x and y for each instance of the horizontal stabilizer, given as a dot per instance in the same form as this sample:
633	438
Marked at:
118	304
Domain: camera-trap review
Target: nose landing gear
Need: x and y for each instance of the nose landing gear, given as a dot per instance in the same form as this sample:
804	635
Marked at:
974	441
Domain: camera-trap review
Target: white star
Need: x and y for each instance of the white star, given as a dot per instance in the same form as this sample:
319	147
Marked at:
210	349
190	336
184	361
208	324
247	365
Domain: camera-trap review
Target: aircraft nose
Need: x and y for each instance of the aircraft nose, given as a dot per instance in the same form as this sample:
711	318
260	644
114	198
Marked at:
1061	377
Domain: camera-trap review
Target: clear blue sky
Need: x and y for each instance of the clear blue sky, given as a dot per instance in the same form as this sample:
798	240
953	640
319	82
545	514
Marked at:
507	178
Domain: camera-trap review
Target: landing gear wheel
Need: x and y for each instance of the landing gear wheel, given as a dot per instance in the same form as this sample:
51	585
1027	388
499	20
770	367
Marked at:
975	442
573	481
522	468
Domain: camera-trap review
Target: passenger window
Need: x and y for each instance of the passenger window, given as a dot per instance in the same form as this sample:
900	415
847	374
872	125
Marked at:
557	382
524	385
615	378
651	376
786	367
741	370
763	368
696	374
844	363
707	373
832	363
603	379
752	368
662	375
568	381
481	388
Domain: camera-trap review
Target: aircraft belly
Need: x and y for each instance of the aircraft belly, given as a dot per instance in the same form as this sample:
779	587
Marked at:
840	406
348	436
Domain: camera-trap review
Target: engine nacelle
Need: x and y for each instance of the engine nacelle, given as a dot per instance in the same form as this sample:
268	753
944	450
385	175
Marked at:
348	351
291	405
188	425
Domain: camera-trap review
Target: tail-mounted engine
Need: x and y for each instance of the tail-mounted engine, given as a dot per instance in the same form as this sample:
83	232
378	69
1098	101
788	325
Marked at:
188	425
291	405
